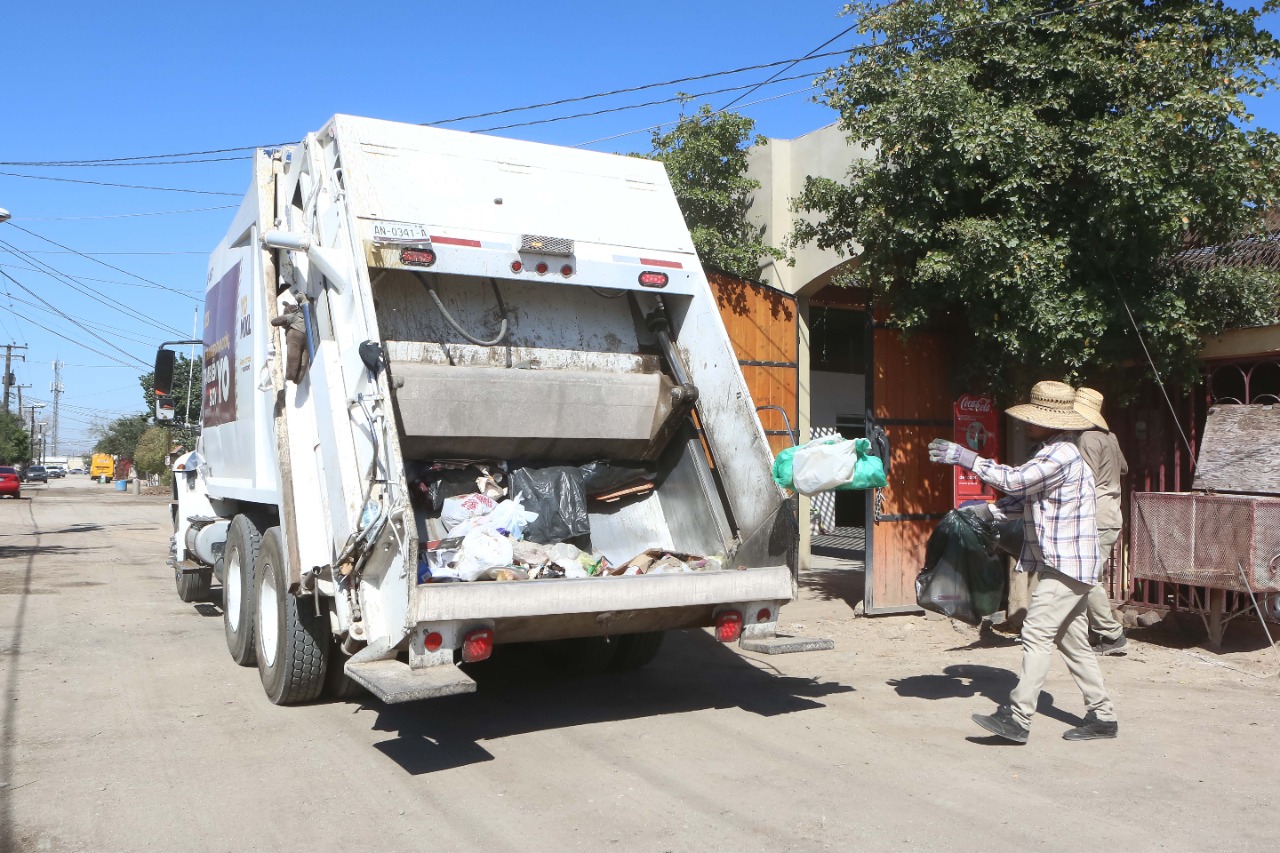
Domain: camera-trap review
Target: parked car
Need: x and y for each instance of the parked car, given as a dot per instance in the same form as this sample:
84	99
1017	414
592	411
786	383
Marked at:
55	472
10	482
76	471
36	474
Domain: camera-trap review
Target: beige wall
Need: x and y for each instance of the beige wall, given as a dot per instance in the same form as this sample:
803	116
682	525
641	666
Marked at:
781	167
1242	343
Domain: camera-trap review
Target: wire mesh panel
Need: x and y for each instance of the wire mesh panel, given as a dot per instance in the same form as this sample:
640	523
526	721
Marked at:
1206	540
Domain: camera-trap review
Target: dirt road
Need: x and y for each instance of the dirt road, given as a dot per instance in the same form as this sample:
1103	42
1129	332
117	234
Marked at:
127	727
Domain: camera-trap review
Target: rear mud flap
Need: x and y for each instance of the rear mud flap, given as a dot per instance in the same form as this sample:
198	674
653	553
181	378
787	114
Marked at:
786	645
394	682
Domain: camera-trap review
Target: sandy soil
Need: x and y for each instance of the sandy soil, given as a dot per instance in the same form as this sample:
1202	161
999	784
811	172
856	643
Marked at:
125	726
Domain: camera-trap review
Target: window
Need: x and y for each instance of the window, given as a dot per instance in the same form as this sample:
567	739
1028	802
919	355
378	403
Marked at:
837	340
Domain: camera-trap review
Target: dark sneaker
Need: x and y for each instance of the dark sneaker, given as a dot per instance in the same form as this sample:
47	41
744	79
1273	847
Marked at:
1093	729
1003	724
1111	647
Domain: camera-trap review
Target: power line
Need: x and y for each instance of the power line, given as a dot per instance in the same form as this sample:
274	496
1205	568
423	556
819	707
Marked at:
249	148
96	254
103	263
84	278
123	334
774	77
121	186
126	215
75	285
68	318
76	342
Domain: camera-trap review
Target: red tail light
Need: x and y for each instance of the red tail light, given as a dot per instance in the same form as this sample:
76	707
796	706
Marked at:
763	615
417	257
566	270
653	279
432	641
477	645
541	268
516	266
728	626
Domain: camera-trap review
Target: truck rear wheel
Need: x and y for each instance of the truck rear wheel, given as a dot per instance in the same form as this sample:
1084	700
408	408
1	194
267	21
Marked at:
244	539
636	650
579	655
292	640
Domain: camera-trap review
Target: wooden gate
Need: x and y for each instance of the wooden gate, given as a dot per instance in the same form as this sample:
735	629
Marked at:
910	399
761	323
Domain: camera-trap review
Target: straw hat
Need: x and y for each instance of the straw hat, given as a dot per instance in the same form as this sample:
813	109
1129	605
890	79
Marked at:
1052	406
1089	404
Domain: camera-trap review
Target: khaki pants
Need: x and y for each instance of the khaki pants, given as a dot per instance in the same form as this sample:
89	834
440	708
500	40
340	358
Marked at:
1057	617
1102	623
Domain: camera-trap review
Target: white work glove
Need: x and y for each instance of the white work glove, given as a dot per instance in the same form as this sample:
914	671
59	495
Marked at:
950	453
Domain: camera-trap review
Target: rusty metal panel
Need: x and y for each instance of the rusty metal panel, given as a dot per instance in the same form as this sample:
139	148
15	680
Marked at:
1205	540
1231	453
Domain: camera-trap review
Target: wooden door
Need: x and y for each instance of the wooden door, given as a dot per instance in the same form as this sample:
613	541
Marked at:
912	402
761	323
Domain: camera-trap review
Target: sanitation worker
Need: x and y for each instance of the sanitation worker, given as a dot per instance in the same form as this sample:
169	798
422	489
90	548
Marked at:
1054	493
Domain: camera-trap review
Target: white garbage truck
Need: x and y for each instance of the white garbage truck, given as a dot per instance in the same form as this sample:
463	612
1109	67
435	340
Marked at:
462	391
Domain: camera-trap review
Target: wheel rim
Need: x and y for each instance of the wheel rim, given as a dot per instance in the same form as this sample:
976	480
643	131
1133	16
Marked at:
268	630
231	589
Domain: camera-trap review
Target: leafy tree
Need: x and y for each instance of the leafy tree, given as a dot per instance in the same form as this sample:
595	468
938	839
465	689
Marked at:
706	159
121	436
152	452
1034	173
15	441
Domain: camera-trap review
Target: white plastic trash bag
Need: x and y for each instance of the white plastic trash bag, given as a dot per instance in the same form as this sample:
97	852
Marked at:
481	550
821	467
511	516
459	509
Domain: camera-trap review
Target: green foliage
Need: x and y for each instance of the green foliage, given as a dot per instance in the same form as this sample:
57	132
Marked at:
706	159
15	446
1032	177
152	451
121	436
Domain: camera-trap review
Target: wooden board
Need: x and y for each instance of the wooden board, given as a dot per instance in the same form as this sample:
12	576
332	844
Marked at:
1236	451
761	323
911	400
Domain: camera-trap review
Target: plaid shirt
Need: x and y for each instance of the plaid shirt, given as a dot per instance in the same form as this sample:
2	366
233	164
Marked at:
1058	488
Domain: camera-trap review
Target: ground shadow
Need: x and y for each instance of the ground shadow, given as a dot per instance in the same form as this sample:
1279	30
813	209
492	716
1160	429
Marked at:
988	638
836	584
1186	630
518	693
965	681
16	551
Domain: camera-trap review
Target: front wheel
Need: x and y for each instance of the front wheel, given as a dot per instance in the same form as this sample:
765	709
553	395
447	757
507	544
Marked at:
238	558
292	639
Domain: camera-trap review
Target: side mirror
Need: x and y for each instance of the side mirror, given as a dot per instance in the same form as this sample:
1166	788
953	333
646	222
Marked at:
165	360
164	408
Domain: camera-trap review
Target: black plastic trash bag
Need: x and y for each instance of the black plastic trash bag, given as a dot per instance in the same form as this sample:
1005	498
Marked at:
557	496
964	577
1009	535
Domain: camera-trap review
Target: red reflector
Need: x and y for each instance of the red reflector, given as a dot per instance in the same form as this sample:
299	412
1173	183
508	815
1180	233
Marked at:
516	266
653	279
566	270
728	626
542	268
763	615
432	641
417	257
477	645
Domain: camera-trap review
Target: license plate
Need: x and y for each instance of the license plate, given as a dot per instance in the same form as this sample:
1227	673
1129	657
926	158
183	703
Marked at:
400	232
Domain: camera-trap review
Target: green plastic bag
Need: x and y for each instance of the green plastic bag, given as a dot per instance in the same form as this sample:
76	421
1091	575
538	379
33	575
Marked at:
849	462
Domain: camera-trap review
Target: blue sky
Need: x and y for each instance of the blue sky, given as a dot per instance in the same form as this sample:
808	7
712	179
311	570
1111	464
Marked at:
90	80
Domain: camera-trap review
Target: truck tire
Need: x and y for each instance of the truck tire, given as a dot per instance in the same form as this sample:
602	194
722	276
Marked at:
244	540
193	586
292	641
636	650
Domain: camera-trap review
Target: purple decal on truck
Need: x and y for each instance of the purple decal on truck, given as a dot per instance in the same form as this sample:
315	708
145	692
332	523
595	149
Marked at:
220	350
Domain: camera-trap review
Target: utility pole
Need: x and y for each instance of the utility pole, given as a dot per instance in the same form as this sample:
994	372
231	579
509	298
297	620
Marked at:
9	379
57	388
20	406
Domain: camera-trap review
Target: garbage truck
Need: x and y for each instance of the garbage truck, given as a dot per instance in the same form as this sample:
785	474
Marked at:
463	391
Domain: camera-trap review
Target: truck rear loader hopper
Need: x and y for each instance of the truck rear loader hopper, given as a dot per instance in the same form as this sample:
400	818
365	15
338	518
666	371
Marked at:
392	299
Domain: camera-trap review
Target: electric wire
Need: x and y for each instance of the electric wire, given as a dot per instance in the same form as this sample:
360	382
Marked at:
103	298
121	186
774	77
84	278
69	319
124	334
126	215
55	332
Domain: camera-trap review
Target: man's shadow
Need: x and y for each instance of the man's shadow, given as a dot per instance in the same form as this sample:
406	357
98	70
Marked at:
964	681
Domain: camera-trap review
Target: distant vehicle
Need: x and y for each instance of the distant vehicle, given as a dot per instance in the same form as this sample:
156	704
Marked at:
37	474
76	471
10	482
56	471
102	466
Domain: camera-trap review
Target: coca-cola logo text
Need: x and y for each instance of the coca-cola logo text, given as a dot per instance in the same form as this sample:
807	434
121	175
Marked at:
979	405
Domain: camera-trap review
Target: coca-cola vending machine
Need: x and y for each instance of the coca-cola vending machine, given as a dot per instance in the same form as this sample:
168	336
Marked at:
977	427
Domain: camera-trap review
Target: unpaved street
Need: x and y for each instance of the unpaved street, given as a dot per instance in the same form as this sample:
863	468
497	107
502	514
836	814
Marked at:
127	727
